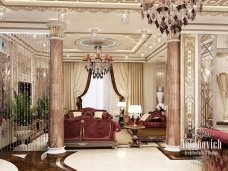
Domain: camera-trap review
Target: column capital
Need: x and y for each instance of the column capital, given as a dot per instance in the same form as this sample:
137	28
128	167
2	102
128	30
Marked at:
173	37
56	29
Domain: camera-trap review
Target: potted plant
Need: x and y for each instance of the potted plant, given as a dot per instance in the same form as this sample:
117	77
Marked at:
42	108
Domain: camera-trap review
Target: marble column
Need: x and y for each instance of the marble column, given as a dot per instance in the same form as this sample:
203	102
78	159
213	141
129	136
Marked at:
56	114
173	94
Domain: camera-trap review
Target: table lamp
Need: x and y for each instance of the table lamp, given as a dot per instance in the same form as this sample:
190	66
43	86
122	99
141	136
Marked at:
121	105
135	110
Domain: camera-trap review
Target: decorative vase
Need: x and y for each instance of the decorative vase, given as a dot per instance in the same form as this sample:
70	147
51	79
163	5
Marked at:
160	95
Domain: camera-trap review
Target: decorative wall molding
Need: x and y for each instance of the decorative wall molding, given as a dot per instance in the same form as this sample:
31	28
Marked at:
207	47
189	87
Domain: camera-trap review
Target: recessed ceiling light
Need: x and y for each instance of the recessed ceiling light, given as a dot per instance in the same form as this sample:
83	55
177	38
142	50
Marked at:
68	55
151	46
142	54
126	56
143	34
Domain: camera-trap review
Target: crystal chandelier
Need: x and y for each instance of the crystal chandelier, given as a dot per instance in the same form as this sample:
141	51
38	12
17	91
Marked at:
98	64
170	15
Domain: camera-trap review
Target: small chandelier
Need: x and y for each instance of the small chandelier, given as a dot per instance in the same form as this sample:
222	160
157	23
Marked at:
99	65
170	15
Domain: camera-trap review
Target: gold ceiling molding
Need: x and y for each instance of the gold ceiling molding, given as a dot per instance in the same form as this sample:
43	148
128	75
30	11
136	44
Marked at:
157	51
206	2
214	13
211	7
71	9
97	10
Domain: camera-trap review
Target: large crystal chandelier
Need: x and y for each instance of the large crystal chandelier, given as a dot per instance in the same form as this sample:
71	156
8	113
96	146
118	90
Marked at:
99	64
170	15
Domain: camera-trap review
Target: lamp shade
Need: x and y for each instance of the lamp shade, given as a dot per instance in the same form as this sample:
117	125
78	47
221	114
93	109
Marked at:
135	109
121	104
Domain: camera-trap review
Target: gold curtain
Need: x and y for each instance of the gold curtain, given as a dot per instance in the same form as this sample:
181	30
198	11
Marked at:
129	82
75	79
135	82
121	73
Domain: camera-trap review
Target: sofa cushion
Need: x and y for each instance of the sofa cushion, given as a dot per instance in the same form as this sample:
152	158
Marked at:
72	128
77	113
98	129
144	117
98	114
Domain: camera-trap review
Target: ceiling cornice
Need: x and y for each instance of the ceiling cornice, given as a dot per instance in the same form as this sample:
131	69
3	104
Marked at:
213	8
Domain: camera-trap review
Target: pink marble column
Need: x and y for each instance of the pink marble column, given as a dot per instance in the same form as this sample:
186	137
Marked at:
173	94
56	114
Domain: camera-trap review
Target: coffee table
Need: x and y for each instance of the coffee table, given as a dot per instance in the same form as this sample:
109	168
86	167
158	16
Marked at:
134	128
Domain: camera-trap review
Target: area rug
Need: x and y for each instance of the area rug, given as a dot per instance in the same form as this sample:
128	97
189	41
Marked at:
177	156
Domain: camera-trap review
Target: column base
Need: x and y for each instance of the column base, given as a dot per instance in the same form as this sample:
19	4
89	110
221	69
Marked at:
171	148
55	151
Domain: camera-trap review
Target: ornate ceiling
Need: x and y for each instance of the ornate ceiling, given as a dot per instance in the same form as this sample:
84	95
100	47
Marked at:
31	16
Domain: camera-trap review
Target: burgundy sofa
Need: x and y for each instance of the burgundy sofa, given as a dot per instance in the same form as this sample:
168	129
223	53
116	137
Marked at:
155	127
218	161
88	131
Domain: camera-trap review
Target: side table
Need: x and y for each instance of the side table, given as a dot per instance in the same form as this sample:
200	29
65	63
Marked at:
134	128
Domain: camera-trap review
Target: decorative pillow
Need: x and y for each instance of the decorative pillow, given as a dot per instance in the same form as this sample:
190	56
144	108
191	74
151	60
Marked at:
98	114
144	117
77	114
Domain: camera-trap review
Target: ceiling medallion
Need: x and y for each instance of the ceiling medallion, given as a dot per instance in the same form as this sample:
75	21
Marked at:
170	15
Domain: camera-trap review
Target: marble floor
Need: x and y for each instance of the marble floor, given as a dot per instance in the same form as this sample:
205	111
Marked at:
120	159
127	159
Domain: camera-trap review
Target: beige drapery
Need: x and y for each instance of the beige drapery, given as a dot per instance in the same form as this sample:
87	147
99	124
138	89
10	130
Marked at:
75	79
135	91
121	77
110	96
129	82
